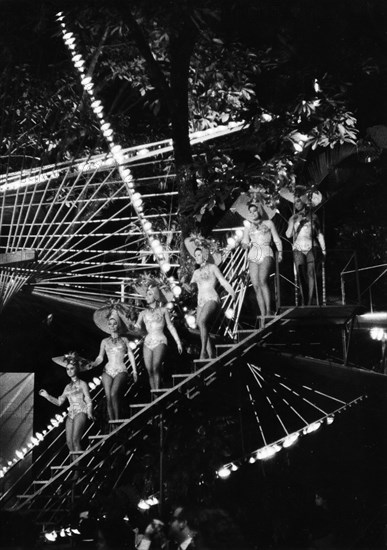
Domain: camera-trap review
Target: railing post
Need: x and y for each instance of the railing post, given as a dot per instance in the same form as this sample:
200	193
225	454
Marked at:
342	284
161	465
122	291
277	290
323	284
295	286
357	278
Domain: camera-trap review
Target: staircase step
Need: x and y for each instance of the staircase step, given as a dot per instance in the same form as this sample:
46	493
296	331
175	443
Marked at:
224	345
99	436
155	394
242	334
222	348
41	481
78	453
177	378
118	421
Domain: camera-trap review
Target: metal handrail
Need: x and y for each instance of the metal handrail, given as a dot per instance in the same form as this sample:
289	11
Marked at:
357	271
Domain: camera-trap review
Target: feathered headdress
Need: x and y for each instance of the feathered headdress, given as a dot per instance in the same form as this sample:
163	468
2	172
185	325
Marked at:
163	292
195	240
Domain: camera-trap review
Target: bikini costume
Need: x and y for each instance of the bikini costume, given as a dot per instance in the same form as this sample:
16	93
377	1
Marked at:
115	352
205	278
78	402
154	322
260	238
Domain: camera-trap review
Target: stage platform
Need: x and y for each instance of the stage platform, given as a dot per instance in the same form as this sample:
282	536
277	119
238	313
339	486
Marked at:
322	315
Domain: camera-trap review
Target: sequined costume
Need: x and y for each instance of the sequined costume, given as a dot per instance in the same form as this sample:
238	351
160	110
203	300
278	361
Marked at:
260	239
154	321
303	235
115	350
78	402
206	280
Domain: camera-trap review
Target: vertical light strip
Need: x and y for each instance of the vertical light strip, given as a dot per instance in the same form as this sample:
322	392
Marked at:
115	150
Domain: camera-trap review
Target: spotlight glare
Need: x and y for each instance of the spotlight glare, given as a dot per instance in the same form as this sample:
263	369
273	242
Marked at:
377	333
266	117
51	536
311	428
224	473
229	314
142	505
165	267
374	316
190	320
231	242
290	439
268	452
158	249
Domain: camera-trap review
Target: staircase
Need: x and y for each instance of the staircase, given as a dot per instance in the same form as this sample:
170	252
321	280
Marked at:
53	496
53	493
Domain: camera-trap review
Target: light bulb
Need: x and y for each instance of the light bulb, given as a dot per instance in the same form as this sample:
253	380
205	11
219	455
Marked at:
229	314
231	242
165	267
224	473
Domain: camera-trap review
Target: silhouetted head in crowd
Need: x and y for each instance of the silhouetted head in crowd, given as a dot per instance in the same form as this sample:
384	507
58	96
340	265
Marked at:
180	524
210	529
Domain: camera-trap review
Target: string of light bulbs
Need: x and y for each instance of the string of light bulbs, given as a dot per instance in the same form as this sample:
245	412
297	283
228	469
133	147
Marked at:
115	149
270	450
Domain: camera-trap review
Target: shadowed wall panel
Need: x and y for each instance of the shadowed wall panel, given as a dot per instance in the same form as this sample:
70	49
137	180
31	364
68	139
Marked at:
16	420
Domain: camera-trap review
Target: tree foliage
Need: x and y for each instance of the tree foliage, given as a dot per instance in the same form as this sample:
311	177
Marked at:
164	69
